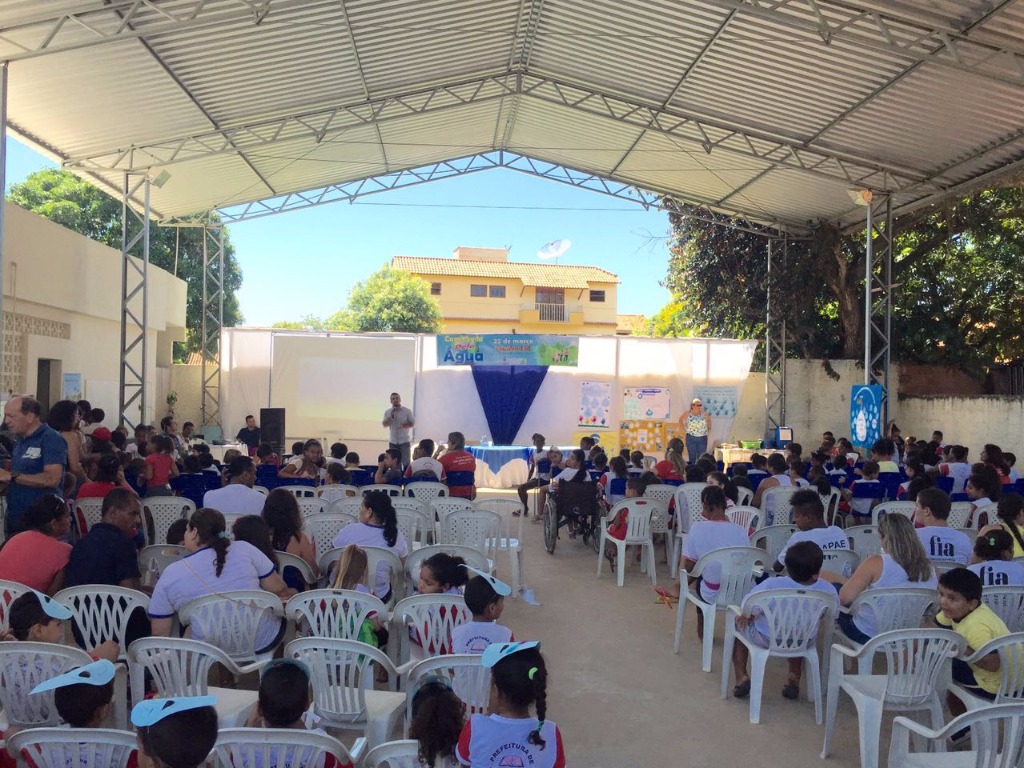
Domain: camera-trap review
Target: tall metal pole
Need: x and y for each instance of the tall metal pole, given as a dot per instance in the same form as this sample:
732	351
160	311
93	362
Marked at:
3	204
867	299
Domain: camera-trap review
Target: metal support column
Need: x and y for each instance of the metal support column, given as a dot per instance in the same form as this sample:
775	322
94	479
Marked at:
878	297
213	322
134	300
775	351
3	221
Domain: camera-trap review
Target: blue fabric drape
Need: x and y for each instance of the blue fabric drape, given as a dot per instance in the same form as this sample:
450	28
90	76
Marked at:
506	393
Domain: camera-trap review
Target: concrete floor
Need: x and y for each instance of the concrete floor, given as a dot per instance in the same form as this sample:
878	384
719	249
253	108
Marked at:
621	697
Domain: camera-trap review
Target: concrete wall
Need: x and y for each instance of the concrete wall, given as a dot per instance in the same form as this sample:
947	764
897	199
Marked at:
62	302
970	421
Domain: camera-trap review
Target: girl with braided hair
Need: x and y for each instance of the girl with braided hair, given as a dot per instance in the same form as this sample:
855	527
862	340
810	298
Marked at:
510	736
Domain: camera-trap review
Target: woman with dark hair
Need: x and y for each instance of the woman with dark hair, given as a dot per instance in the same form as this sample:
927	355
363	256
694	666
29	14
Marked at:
457	459
993	456
36	557
253	529
64	418
672	467
377	527
306	465
216	565
109	475
284	520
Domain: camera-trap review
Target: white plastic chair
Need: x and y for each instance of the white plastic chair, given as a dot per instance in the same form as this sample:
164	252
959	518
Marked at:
893	609
471	680
299	491
794	617
102	612
180	666
914	660
960	514
478	529
426	491
772	539
777	500
659	525
9	592
389	489
415	526
443	506
745	516
510	540
322	529
25	664
986	512
154	559
688	511
374	555
472	557
261	489
337	613
286	560
231	621
342	673
841	561
280	748
312	505
905	508
161	512
349	506
997	740
79	747
830	502
88	512
1008	604
743	496
331	493
864	540
738	565
1011	672
404	753
433	617
661	492
638	533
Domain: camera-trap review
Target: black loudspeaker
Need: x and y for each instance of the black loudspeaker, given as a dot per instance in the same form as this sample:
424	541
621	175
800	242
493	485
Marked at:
272	427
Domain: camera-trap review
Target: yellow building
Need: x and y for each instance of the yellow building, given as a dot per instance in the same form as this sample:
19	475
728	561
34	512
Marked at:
481	291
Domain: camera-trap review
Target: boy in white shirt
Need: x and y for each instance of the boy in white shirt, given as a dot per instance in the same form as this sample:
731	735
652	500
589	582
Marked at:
861	507
485	598
803	563
939	540
809	518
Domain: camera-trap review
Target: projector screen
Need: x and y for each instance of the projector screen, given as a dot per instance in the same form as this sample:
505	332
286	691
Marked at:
339	385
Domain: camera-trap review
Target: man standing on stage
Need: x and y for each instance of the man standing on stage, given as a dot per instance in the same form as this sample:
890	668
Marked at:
399	420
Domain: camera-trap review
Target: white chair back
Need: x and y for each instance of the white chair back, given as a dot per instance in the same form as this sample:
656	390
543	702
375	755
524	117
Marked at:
997	738
1008	604
1011	666
426	491
287	560
738	566
390	490
102	612
23	666
443	506
830	503
775	507
894	608
415	526
985	514
772	539
312	505
232	620
745	516
348	506
905	508
322	529
337	613
159	513
88	512
638	518
9	592
415	559
261	489
376	555
276	748
688	506
841	561
793	616
299	491
864	540
470	680
431	619
79	747
154	559
177	666
914	659
743	496
511	523
404	753
331	493
662	492
472	528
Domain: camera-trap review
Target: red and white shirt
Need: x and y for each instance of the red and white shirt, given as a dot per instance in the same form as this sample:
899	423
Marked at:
493	741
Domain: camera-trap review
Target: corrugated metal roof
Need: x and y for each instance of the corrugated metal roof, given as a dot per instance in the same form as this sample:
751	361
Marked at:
774	109
544	275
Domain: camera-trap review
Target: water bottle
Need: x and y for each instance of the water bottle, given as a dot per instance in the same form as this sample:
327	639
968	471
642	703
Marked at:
486	442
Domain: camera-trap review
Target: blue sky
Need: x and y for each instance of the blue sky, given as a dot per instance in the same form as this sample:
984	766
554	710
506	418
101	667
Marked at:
305	262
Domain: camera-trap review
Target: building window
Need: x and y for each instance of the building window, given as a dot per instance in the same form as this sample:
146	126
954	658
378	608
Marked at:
478	291
497	291
597	296
435	289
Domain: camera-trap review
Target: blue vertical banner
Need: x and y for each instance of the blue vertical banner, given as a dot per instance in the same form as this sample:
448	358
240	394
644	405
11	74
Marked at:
865	415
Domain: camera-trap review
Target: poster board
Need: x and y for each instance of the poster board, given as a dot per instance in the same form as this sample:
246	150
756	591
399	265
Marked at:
647	436
646	403
865	415
719	402
595	405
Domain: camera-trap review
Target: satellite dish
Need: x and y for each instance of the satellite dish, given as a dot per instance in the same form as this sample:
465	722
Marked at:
554	249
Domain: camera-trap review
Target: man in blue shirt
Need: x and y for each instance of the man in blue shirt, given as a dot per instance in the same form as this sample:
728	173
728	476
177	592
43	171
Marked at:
37	461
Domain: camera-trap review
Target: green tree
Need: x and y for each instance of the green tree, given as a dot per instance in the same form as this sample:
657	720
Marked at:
65	199
389	300
670	320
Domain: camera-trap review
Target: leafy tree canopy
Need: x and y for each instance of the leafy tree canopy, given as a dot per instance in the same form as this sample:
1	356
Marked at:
391	300
65	199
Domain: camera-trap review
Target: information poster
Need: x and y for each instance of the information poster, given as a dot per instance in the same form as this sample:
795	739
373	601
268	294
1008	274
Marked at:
608	440
595	405
71	386
865	415
639	403
719	402
644	435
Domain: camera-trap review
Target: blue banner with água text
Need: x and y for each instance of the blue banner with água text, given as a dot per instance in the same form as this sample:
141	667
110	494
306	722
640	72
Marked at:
507	349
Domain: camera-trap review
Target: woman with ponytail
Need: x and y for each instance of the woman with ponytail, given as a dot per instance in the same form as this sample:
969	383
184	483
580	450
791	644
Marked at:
215	565
672	467
1010	512
510	735
377	527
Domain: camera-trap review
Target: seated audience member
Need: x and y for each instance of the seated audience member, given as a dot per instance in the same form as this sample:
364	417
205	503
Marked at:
917	485
983	489
793	451
957	467
993	456
727	485
39	618
940	542
265	454
796	473
337	455
616	481
882	452
1009	518
636	460
458	459
535	478
190	465
438	719
107	553
758	465
993	560
557	465
175	733
423	464
778	479
377	527
216	565
107	476
914	467
619	526
160	467
1011	462
281	511
238	496
809	518
672	467
389	468
336	474
574	471
485	599
306	464
740	477
37	557
176	533
208	465
902	562
352	460
803	561
861	508
297	448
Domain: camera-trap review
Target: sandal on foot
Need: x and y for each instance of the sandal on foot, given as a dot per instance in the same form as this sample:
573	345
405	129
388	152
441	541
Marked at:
664	595
791	691
742	690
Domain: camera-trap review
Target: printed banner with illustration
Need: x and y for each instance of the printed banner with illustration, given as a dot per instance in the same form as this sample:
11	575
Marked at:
865	415
71	386
595	405
502	349
719	402
647	436
646	403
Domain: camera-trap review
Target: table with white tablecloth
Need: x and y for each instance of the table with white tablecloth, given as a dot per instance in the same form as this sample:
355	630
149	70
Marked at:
217	451
501	466
728	455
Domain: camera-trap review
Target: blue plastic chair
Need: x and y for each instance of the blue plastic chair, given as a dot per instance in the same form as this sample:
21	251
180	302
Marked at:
460	480
944	483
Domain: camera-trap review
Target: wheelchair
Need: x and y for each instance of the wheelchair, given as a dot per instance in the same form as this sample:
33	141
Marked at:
577	504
